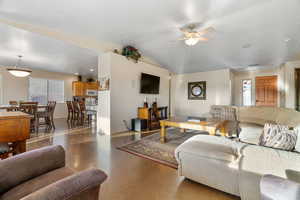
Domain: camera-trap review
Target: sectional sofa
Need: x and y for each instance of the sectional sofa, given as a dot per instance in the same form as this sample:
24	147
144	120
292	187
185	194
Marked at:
236	167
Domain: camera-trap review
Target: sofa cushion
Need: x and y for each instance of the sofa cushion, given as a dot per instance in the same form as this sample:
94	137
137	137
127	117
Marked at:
279	137
257	161
257	114
36	183
260	160
212	147
250	133
289	117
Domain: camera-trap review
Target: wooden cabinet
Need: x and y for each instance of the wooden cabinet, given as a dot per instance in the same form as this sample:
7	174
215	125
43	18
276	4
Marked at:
92	85
78	88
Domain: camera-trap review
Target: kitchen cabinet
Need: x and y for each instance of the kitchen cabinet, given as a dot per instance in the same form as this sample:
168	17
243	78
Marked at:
78	88
92	85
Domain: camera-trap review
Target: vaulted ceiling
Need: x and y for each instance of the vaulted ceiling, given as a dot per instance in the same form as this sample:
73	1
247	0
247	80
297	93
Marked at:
44	53
264	32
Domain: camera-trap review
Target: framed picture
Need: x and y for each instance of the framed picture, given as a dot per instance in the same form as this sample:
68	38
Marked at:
197	90
104	83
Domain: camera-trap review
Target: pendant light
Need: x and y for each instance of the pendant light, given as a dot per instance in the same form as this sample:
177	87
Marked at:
18	72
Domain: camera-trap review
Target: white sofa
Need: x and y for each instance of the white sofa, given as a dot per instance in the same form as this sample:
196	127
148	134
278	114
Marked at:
237	167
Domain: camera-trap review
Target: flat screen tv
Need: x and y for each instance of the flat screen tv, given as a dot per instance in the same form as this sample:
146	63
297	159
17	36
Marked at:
149	84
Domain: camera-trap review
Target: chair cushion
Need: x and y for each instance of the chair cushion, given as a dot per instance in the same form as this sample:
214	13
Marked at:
37	183
4	147
211	147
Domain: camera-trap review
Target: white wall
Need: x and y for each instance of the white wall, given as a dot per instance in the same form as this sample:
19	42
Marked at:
124	98
218	92
14	88
103	112
239	76
125	89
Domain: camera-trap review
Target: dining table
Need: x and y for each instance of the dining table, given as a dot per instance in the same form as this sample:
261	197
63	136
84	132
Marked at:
15	129
5	107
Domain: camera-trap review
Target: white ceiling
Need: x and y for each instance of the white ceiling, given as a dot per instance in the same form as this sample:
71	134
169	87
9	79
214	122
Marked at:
153	27
44	53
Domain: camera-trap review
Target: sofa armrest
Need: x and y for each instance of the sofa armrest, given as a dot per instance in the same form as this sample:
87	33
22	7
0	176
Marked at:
72	187
28	165
277	188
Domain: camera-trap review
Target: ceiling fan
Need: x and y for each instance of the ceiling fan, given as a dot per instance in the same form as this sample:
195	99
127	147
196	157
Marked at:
192	36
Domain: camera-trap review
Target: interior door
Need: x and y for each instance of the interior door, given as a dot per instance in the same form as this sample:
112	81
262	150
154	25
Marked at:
266	91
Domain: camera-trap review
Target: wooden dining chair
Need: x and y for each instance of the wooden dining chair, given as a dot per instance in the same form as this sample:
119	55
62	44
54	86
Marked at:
47	115
13	103
31	109
13	106
76	111
51	108
84	113
70	110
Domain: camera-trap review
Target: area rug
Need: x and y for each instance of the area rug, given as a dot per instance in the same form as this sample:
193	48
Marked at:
150	147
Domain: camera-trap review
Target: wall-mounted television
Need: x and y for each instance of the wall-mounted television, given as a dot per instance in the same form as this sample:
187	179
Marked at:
149	84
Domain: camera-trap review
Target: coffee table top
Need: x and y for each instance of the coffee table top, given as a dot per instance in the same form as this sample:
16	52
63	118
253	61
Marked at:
195	120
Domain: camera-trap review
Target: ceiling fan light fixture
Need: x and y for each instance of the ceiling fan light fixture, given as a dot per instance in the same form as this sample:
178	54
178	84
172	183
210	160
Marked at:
191	41
18	72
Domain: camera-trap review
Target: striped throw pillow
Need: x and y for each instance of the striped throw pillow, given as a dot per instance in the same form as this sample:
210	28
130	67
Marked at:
279	137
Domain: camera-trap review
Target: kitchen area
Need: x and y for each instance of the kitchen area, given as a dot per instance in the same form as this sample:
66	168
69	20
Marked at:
87	92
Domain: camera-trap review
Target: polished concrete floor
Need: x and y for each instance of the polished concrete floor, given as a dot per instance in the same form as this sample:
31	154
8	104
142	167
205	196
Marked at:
129	177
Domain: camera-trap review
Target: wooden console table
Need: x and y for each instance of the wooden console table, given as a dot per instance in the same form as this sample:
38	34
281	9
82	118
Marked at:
210	125
15	128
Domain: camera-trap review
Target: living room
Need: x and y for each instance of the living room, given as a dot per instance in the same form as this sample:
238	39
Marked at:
196	100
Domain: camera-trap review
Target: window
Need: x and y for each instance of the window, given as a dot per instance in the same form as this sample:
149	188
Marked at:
247	94
43	90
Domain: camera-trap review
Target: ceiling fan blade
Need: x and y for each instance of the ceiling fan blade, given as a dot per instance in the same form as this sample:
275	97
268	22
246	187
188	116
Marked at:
203	39
205	31
182	38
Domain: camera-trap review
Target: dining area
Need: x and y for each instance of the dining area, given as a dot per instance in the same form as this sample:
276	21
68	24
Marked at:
41	115
19	120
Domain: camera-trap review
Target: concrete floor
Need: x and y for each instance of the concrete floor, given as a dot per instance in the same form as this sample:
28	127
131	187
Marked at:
129	177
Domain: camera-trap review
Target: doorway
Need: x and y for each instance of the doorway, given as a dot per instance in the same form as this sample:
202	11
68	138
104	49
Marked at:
266	91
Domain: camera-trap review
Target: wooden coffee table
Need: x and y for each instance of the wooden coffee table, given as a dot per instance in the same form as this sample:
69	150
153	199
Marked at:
209	125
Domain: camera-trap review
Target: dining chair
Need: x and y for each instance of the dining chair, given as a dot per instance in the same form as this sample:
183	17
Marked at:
70	110
76	111
47	115
51	108
31	109
13	106
13	103
84	113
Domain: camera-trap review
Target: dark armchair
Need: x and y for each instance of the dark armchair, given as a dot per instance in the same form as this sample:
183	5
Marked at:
42	174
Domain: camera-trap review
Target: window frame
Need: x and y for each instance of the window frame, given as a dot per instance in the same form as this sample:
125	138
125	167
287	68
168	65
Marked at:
47	90
242	92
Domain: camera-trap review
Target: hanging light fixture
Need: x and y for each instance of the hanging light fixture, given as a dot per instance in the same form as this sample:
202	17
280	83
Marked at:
18	72
191	41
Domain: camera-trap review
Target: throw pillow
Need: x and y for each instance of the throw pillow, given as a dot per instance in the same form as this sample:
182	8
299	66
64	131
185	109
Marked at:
279	137
297	147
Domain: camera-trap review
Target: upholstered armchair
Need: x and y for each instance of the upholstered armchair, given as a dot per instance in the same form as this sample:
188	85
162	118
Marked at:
42	174
226	113
276	188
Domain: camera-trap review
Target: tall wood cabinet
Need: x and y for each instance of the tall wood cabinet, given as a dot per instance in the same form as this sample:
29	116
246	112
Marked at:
78	88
